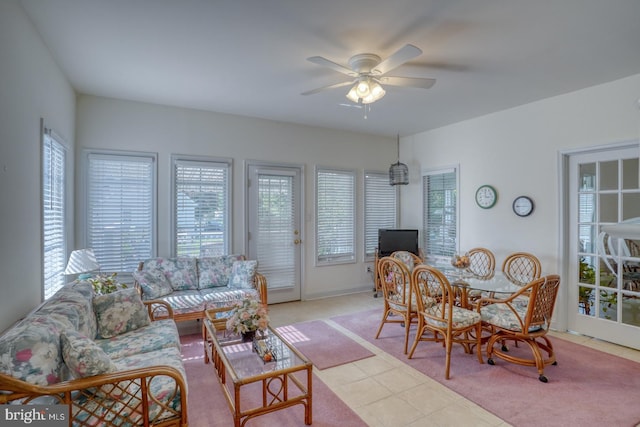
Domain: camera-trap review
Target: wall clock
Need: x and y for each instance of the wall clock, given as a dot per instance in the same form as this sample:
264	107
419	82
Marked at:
523	206
486	196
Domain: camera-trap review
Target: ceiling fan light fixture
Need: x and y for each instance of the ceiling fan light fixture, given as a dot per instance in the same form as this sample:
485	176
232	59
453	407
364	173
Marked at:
365	91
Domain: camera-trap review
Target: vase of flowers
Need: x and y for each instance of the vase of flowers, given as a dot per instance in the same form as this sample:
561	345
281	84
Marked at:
247	316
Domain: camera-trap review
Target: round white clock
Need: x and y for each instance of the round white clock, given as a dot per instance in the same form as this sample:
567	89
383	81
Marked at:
486	196
523	206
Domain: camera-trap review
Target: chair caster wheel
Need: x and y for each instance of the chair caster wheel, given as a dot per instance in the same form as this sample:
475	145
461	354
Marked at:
402	324
491	362
505	348
555	363
375	295
543	379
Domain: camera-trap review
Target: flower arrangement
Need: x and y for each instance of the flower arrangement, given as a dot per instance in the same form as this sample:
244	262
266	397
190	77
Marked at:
105	284
248	315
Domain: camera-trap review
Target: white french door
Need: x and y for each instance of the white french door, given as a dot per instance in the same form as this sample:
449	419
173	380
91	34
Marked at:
604	270
275	235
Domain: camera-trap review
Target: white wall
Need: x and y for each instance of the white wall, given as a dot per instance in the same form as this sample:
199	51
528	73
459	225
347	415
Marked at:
31	87
516	151
123	125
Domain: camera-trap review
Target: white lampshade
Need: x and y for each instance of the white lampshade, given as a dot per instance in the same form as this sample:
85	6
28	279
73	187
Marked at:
82	261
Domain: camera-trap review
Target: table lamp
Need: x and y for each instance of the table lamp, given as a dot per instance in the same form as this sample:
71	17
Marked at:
82	262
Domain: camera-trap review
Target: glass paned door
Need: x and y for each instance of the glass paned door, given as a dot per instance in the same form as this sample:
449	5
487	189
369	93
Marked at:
604	282
275	236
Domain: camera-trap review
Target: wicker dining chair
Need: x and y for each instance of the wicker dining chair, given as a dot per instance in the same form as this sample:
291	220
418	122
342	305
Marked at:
409	259
510	320
439	318
482	263
399	307
521	268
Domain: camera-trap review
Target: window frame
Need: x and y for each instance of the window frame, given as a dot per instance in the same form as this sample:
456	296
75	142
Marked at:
344	258
384	176
425	212
153	159
48	289
210	161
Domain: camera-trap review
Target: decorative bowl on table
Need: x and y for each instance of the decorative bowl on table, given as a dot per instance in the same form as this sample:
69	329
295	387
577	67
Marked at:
461	260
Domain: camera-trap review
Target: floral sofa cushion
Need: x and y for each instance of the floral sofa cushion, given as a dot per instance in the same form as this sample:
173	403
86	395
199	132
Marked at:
119	312
214	272
153	282
216	298
180	272
71	304
83	357
158	335
92	410
243	274
30	351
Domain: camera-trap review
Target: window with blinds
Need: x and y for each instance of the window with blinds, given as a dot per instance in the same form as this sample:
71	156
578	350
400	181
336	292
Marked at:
440	213
201	200
335	213
121	209
380	209
54	162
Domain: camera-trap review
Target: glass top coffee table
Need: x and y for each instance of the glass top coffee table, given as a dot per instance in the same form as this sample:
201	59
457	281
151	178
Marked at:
284	380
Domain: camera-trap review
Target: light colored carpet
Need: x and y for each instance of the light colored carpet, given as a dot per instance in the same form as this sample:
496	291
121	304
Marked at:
587	387
325	346
208	406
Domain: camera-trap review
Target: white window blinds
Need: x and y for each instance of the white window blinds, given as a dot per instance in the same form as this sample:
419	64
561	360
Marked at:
440	198
335	205
380	209
201	202
53	213
121	209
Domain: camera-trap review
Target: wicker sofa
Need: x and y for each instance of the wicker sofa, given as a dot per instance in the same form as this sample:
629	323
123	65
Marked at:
192	285
107	357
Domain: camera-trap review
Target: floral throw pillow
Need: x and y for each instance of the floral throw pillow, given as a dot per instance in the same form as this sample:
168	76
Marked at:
119	312
83	357
243	274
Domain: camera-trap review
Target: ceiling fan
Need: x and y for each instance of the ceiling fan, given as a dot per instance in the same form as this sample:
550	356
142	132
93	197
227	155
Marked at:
368	72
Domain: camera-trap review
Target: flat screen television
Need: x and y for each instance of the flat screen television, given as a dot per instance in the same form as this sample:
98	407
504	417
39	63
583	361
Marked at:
391	240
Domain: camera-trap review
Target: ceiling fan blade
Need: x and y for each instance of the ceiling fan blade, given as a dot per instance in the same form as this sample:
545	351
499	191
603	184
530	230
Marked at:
408	82
321	89
319	60
401	56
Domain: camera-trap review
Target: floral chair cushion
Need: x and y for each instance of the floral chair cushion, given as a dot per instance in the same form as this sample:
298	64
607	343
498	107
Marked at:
243	274
83	356
502	316
153	282
119	312
461	317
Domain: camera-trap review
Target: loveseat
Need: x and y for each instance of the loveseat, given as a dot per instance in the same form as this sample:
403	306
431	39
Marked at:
192	285
105	356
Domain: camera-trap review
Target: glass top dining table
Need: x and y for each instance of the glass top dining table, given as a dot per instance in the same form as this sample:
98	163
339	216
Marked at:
465	283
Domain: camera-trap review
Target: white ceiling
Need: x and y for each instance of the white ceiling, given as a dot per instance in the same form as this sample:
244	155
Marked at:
248	57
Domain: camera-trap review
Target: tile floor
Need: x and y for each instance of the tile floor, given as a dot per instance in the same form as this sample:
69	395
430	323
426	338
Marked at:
381	387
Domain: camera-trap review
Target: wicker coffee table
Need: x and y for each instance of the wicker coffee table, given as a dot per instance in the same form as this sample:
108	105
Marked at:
238	365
